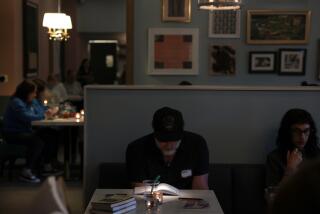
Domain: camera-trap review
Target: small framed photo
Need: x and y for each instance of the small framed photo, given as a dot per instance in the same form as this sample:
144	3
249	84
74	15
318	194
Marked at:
262	62
176	10
224	24
318	57
222	60
292	61
30	39
278	26
173	51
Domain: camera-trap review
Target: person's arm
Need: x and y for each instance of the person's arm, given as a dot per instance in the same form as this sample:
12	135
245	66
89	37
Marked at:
294	158
200	182
274	169
200	177
134	165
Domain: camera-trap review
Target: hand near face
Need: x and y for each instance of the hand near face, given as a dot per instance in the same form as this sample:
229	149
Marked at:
294	158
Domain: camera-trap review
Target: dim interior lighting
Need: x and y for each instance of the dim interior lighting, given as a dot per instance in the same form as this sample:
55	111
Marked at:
57	24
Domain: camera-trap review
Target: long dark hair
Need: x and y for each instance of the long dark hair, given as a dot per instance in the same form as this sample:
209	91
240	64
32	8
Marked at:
41	86
284	140
82	69
24	89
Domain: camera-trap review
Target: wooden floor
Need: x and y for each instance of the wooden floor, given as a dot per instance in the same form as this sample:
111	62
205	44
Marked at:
16	197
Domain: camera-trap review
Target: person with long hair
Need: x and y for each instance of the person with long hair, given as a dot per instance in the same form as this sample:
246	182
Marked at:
85	75
17	127
49	134
296	142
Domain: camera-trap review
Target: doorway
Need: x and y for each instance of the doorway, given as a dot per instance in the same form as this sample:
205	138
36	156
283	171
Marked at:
107	61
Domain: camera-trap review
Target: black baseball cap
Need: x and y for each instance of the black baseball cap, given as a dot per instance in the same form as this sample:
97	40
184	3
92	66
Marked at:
167	124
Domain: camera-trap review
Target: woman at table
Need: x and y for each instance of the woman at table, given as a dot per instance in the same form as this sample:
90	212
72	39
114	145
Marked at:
296	143
17	127
49	134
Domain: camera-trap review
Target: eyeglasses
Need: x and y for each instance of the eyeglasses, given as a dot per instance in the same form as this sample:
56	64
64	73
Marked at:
300	131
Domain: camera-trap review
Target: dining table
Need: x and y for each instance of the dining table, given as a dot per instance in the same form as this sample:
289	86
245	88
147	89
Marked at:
170	205
62	122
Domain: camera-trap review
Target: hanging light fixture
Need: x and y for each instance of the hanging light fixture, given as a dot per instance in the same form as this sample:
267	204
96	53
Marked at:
57	24
219	4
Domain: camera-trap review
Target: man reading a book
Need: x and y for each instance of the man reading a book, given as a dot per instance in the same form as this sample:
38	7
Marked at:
181	158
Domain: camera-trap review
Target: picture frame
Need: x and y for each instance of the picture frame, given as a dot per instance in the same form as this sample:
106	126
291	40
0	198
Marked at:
224	24
222	60
278	26
173	51
292	61
30	39
176	11
261	62
318	57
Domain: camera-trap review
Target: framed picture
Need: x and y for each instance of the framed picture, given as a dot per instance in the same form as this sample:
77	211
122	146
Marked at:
30	39
173	51
176	10
224	24
278	27
292	61
262	62
222	60
318	59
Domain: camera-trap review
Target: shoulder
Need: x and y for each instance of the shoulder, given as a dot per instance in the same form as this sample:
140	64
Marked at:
193	138
275	156
15	101
194	143
141	142
35	102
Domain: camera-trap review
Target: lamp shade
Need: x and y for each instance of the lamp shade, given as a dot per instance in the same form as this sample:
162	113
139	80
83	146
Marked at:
219	4
57	21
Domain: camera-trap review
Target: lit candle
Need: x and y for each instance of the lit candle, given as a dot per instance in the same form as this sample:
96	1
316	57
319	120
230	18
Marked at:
78	115
45	102
82	112
158	196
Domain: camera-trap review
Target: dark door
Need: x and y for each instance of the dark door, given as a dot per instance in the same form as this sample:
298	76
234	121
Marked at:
103	61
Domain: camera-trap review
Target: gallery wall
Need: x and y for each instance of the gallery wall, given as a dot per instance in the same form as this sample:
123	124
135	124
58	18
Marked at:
151	18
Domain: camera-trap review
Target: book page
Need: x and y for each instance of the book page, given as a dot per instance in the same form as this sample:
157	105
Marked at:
163	187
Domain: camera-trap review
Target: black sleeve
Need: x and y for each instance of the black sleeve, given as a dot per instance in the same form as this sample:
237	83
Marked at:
274	170
202	157
135	163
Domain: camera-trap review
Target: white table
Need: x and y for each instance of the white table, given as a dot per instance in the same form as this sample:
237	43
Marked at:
63	122
171	204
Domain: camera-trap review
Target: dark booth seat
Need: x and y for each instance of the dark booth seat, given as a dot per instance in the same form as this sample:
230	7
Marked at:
239	187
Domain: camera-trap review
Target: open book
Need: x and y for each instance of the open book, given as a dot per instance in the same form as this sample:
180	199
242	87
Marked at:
163	187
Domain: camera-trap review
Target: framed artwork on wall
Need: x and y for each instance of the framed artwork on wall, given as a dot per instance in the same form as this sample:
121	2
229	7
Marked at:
318	59
224	24
222	60
176	10
292	61
262	62
278	27
30	39
173	51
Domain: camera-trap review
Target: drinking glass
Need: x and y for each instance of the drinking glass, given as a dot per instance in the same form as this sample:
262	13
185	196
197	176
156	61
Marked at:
151	196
